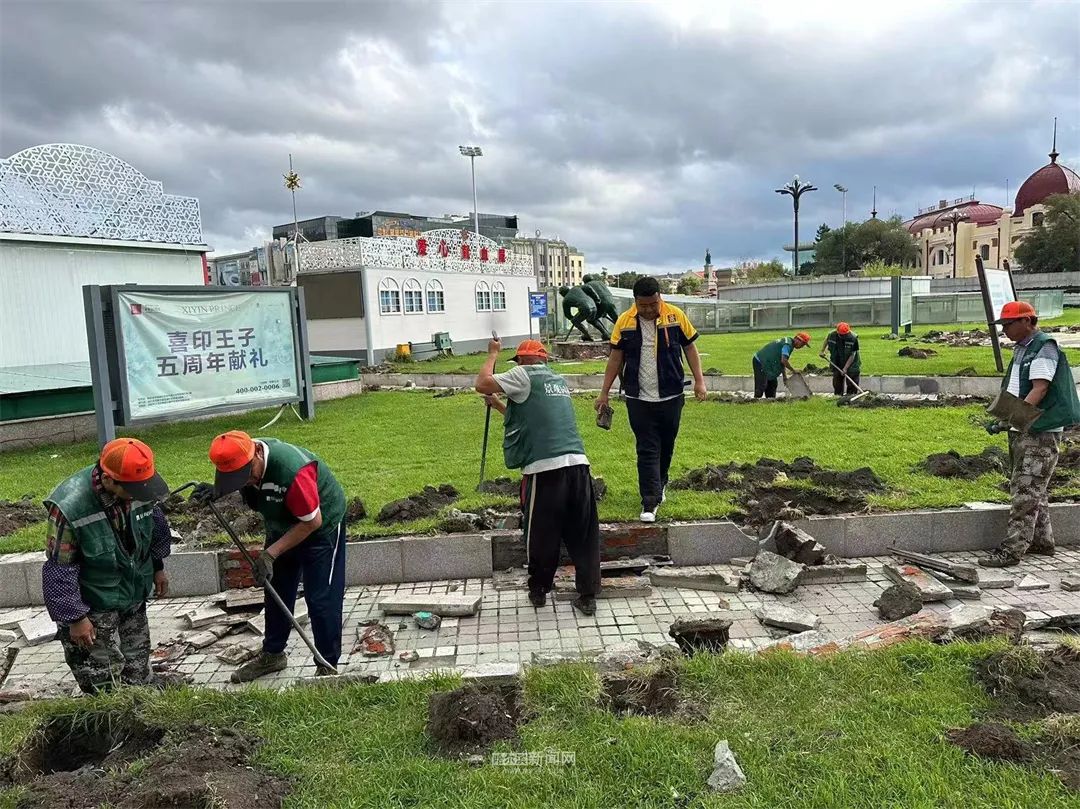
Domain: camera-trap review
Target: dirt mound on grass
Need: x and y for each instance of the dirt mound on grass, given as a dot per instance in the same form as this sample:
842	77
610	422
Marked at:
952	464
506	487
642	693
916	353
471	719
1031	685
874	401
991	740
16	514
425	503
82	761
197	524
355	511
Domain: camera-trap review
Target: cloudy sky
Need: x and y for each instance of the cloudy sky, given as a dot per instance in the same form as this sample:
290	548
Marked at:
641	132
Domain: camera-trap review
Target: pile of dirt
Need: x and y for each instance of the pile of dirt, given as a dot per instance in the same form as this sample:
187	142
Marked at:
425	503
81	761
952	464
917	353
355	511
1028	684
196	524
958	339
997	742
642	693
16	514
765	505
469	720
506	487
872	401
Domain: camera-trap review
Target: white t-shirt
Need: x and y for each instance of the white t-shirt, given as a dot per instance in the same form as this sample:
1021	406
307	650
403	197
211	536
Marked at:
1044	366
648	378
517	385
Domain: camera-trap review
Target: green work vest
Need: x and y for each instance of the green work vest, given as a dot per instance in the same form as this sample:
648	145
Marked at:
842	346
109	578
769	356
282	464
1060	406
543	426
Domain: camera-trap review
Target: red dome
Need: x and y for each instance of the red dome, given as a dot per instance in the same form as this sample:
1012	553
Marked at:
976	212
1051	179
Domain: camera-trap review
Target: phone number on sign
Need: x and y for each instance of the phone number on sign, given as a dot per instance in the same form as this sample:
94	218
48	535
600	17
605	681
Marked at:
260	388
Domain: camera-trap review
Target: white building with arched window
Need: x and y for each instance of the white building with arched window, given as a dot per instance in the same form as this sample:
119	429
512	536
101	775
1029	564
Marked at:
367	296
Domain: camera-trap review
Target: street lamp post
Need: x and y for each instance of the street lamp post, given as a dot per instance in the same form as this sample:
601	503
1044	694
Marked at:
473	152
843	233
955	218
795	189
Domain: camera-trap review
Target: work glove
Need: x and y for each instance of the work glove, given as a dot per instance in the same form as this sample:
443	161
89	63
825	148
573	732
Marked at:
995	427
202	494
263	569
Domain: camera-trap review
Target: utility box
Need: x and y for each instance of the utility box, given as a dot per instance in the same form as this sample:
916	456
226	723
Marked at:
442	342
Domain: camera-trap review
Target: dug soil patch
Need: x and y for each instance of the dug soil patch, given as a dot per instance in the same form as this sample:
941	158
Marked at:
874	401
997	742
764	494
16	514
425	503
952	464
197	524
82	761
642	693
1031	685
469	720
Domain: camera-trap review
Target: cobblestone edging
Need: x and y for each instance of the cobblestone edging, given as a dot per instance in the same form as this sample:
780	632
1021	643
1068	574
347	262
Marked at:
476	556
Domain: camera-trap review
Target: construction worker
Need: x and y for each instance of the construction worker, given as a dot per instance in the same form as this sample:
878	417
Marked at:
579	308
773	361
542	440
303	506
601	295
1039	374
842	345
647	348
107	542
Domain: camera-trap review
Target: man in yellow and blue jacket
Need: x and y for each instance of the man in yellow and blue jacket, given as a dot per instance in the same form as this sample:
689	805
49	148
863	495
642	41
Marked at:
647	349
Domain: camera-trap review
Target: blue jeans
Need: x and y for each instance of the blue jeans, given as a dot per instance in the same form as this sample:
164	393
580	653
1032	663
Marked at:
320	559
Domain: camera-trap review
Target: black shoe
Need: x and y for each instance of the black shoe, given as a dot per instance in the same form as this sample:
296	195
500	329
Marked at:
1042	550
537	599
999	558
586	605
324	671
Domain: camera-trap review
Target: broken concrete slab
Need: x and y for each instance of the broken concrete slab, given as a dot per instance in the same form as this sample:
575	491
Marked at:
1032	582
957	570
795	619
899	601
445	605
990	579
715	578
38	630
12	618
772	573
205	615
633	566
1070	583
239	653
727	775
248	597
794	543
966	617
613	587
930	589
198	639
492	673
799	642
975	623
832	574
969	592
701	633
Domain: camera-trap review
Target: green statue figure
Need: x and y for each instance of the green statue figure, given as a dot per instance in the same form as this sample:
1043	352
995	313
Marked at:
579	308
598	291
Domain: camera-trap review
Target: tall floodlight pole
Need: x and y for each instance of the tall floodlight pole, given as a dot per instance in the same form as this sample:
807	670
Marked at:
292	182
795	189
954	218
473	152
843	233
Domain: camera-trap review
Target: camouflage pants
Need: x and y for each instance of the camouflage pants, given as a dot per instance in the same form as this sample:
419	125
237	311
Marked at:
1034	457
120	654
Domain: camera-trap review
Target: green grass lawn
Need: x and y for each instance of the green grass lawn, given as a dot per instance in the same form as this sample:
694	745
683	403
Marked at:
850	731
731	353
389	444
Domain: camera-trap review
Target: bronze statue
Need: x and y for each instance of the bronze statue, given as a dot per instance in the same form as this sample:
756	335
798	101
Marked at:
579	307
601	295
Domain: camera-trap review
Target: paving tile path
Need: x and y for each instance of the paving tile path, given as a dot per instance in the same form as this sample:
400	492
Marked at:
509	630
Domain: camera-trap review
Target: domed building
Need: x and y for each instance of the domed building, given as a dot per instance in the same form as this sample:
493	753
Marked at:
986	230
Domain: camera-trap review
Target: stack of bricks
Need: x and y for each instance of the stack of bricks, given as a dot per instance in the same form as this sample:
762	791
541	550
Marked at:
235	571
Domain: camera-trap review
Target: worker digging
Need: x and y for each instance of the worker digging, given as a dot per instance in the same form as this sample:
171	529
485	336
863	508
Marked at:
772	361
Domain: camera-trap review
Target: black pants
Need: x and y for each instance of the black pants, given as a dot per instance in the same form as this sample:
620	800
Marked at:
840	385
321	560
560	509
655	426
763	386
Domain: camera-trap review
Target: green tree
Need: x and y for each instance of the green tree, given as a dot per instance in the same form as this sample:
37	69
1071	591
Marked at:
626	280
857	244
1054	244
690	285
822	230
764	271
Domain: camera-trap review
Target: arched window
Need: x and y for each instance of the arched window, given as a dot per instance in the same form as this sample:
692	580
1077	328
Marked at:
436	301
498	297
414	296
389	297
483	296
984	251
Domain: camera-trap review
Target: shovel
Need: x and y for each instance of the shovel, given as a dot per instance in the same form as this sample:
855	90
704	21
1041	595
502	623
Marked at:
797	386
266	585
851	382
1014	411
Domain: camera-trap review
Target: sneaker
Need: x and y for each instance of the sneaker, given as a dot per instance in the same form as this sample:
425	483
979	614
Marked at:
999	558
537	599
586	605
1042	550
648	516
260	666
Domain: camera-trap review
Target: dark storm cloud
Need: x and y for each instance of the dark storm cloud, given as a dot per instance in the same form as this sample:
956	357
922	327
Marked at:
642	133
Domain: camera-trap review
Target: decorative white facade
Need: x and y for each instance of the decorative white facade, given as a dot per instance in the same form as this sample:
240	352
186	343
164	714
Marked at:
64	189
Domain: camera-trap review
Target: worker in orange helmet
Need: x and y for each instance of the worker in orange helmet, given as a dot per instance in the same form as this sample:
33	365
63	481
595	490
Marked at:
842	345
773	361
